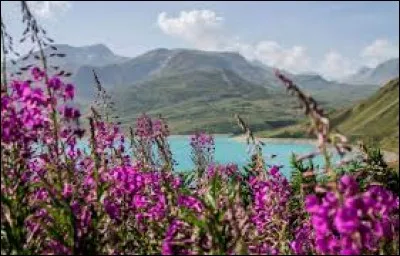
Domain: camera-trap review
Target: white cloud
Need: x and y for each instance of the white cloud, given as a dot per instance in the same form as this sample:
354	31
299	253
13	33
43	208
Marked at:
271	53
294	59
334	65
202	28
380	50
47	9
246	50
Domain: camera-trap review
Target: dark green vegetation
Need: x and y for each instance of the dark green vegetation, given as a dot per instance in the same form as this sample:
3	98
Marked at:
374	120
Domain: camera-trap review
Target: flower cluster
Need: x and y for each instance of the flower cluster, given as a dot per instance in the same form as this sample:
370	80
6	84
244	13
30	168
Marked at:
353	222
140	191
270	209
203	148
150	134
190	202
270	198
147	127
43	139
60	199
173	245
108	137
25	114
202	141
226	171
303	243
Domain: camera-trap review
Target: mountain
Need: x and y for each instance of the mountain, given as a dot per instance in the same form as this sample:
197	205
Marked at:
192	89
331	94
259	64
207	100
170	81
160	62
378	75
75	57
374	119
117	72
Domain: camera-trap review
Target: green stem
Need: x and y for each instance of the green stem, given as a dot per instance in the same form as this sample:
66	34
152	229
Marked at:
95	156
4	67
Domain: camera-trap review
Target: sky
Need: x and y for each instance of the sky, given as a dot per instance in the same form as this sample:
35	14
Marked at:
334	39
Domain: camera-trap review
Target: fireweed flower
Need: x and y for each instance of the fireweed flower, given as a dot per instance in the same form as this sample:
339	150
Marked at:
202	146
67	191
203	141
141	191
160	128
144	127
132	192
169	246
69	92
55	83
37	73
70	113
350	222
56	247
227	172
27	125
303	240
270	202
190	203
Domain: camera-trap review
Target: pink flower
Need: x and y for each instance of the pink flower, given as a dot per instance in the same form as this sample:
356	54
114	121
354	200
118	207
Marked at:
139	201
69	92
67	190
37	74
55	83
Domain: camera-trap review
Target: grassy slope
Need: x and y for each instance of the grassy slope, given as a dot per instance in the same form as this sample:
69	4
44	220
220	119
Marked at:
375	120
206	100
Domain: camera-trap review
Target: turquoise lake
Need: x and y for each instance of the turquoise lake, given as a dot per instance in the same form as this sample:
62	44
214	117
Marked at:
229	150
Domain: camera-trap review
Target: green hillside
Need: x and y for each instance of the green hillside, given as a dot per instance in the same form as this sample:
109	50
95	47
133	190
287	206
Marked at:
373	120
206	100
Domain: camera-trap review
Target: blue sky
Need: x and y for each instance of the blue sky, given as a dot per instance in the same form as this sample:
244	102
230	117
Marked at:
332	38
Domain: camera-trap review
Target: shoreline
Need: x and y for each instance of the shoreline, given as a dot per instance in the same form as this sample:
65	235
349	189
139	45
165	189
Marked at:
242	138
214	134
389	156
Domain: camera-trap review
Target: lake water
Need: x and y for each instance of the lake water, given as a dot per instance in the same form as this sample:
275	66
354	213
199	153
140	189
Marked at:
229	150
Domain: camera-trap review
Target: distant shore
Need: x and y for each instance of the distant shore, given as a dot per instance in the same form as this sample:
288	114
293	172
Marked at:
242	138
214	134
390	157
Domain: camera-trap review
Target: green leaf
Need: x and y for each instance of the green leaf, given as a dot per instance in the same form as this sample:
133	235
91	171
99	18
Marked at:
191	218
6	201
210	200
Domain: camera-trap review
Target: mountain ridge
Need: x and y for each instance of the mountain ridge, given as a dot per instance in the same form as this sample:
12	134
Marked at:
193	78
380	74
